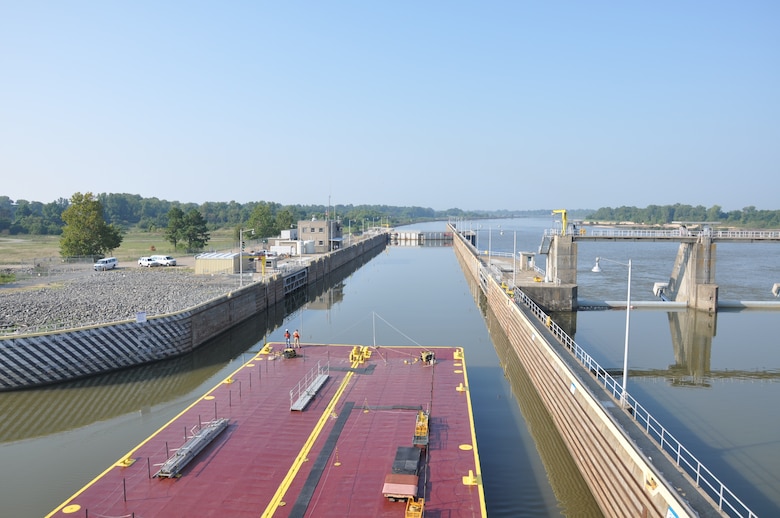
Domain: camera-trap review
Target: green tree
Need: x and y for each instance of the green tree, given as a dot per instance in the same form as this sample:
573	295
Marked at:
6	212
121	208
715	213
262	220
52	214
174	232
285	219
195	231
86	231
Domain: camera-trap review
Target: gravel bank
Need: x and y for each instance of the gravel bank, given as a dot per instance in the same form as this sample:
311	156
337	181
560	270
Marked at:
96	297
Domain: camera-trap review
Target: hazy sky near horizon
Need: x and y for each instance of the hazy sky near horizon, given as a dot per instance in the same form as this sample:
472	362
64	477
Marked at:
477	105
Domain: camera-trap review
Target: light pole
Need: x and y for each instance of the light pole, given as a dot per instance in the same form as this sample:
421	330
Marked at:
597	269
490	239
490	242
241	254
514	262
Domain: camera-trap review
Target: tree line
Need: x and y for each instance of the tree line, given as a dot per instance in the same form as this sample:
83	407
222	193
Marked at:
748	217
87	233
94	224
131	211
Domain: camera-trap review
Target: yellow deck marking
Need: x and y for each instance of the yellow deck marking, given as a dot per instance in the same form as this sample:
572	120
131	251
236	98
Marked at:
68	507
480	486
124	458
276	501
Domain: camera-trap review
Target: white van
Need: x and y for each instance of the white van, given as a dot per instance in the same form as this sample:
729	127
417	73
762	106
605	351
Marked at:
107	263
164	260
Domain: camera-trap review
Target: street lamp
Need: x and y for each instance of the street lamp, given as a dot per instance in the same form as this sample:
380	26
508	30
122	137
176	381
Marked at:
295	249
241	254
514	262
597	269
490	239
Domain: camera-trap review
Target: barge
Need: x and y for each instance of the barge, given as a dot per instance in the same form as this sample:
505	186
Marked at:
313	432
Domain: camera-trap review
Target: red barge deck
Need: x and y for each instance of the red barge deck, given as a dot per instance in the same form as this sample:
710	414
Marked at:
329	458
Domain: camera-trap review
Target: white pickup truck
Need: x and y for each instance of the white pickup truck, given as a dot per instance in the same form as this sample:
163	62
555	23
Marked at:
164	260
147	261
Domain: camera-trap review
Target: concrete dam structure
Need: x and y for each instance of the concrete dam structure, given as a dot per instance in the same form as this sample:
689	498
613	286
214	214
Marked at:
631	467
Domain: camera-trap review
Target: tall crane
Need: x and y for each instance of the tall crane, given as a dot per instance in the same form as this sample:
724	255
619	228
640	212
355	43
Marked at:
564	220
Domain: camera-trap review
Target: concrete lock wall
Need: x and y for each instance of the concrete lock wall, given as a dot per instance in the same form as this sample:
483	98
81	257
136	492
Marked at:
621	480
693	275
46	358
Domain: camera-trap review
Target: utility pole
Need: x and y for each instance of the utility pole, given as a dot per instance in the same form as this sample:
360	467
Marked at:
241	254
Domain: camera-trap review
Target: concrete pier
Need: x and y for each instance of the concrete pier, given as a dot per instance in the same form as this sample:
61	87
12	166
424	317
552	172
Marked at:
626	471
693	276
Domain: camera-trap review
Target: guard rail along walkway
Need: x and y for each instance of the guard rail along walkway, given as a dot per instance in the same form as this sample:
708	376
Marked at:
726	501
184	455
307	388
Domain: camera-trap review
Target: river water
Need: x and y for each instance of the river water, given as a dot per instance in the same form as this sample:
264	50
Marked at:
717	397
713	381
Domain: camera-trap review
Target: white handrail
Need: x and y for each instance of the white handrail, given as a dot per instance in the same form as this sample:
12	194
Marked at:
726	500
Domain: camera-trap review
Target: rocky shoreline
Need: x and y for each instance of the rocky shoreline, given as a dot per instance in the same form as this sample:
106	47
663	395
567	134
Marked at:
98	297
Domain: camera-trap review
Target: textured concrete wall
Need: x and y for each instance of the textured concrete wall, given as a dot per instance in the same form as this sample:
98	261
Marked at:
693	276
40	359
563	259
48	358
621	480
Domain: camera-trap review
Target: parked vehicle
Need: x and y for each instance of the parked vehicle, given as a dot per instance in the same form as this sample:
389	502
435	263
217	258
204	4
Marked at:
107	263
148	262
164	260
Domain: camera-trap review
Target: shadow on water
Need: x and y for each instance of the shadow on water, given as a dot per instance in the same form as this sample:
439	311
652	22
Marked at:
570	489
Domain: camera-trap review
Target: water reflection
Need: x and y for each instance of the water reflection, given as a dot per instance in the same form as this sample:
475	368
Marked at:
692	332
328	298
571	490
712	381
691	336
34	413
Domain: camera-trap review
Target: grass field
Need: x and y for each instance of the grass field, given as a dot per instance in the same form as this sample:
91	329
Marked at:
23	249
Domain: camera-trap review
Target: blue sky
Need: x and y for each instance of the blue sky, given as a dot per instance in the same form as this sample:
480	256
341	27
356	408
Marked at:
476	105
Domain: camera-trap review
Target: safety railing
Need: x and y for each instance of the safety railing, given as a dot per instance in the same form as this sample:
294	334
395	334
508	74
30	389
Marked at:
671	233
308	386
726	500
